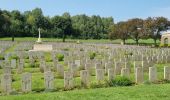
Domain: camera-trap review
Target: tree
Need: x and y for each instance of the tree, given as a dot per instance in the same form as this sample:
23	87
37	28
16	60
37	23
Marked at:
122	31
63	24
17	24
136	29
154	26
4	23
112	32
107	22
67	25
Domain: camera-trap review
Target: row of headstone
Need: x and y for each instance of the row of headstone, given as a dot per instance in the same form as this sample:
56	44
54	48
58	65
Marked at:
6	78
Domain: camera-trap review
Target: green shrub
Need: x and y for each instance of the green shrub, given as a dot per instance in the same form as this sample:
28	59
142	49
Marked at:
2	57
161	81
60	57
121	81
81	49
92	55
35	65
161	45
66	49
147	82
14	57
100	84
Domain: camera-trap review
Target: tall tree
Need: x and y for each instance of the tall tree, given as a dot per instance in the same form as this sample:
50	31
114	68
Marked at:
154	26
17	24
63	24
122	31
136	29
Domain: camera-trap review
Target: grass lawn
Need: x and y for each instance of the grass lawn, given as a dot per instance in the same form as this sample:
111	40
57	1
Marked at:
140	92
117	41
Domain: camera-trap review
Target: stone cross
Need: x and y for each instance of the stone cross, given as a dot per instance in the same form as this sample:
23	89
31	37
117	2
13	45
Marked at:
39	36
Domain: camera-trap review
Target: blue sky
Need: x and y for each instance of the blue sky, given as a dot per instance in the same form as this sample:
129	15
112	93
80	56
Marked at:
120	10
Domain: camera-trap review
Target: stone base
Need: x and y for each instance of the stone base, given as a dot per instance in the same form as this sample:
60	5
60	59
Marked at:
42	47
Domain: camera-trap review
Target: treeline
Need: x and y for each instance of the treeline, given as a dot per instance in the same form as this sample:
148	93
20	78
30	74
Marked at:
17	24
136	28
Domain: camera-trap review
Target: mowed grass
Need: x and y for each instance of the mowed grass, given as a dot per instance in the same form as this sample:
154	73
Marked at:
117	41
140	92
135	92
38	79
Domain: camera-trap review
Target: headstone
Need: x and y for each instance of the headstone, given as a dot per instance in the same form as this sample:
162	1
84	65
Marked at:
99	74
49	80
137	64
152	74
77	62
13	63
167	73
89	68
111	75
73	69
125	72
139	75
26	82
6	83
68	80
98	66
128	65
84	74
7	70
60	70
31	59
20	66
107	66
42	65
47	68
118	67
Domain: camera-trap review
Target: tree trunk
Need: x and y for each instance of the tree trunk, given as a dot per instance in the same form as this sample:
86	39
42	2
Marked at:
12	37
155	42
64	37
137	41
124	41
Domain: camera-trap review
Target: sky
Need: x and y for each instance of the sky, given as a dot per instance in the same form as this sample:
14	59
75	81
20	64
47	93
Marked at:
120	10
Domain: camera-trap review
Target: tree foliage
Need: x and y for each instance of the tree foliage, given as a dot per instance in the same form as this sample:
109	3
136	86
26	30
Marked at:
17	24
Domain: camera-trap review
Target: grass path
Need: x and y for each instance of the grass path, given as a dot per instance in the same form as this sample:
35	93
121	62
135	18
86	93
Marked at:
117	41
140	92
11	49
